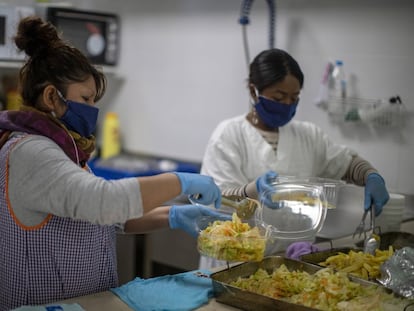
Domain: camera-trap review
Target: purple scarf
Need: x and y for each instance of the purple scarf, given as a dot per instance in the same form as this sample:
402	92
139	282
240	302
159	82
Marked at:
38	123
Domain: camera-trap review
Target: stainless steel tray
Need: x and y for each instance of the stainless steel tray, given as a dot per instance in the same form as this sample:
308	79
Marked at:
317	257
396	239
245	300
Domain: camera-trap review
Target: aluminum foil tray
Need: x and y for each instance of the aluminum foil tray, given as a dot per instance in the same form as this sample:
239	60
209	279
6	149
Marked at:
245	300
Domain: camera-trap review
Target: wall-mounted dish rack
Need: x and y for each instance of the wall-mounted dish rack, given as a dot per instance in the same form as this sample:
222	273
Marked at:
379	112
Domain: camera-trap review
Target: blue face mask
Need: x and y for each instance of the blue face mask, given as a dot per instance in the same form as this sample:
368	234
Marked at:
274	114
79	117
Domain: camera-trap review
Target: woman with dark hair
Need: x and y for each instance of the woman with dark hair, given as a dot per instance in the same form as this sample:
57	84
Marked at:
266	141
57	220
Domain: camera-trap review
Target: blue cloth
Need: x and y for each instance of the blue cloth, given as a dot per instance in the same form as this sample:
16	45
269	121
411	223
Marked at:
52	307
179	292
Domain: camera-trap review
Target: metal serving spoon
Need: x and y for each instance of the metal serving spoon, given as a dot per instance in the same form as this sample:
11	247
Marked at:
245	207
372	242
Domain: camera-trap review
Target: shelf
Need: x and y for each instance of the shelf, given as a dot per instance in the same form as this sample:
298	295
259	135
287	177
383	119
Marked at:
108	70
10	64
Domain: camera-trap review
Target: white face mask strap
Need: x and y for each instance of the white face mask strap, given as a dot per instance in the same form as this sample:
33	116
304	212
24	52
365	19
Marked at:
73	141
256	93
61	96
76	150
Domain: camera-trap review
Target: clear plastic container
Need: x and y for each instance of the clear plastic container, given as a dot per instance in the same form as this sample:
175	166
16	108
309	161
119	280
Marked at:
330	186
392	214
233	240
292	211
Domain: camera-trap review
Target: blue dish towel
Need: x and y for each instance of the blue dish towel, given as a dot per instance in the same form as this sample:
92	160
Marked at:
54	307
178	292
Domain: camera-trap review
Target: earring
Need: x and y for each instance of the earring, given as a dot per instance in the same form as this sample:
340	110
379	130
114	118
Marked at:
53	114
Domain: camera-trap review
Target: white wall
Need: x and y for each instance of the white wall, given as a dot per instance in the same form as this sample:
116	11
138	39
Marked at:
182	70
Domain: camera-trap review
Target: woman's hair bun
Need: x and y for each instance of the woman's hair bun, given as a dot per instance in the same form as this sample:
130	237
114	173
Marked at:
35	36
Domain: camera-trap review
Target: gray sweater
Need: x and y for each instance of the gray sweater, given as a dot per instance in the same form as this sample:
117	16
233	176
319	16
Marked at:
42	180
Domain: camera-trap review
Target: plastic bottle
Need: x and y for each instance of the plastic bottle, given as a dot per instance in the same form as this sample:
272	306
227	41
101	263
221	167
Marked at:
13	100
339	80
337	91
111	144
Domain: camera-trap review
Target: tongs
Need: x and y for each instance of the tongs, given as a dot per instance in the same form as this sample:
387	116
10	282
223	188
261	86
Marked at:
361	227
372	241
245	207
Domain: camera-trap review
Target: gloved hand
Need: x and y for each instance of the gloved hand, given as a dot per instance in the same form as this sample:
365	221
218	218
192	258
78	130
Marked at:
201	187
264	183
186	217
375	193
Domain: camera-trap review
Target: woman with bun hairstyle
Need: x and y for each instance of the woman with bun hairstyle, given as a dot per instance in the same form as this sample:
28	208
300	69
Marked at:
58	221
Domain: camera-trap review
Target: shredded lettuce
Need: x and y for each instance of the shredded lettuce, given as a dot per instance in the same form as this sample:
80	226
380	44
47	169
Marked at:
232	241
324	290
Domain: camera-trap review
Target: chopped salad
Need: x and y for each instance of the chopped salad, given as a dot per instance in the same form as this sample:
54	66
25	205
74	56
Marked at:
232	241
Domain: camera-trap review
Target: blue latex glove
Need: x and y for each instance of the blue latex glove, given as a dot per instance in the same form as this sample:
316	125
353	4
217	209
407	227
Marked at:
187	217
202	188
264	183
375	193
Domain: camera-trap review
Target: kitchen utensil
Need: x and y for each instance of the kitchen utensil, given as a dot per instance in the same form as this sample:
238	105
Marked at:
372	242
330	187
245	207
300	214
233	240
317	257
392	214
361	227
395	239
246	299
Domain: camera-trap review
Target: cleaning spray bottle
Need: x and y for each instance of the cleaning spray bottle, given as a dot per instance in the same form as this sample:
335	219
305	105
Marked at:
111	143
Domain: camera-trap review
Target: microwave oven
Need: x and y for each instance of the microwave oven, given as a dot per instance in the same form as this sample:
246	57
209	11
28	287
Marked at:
95	34
10	15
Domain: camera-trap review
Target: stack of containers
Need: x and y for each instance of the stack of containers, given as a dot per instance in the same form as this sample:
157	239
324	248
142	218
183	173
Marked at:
392	214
